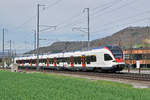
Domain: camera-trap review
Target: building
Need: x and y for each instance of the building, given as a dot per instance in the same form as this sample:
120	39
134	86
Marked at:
137	54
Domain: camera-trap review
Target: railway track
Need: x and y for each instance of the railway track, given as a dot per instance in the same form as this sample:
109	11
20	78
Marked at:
127	76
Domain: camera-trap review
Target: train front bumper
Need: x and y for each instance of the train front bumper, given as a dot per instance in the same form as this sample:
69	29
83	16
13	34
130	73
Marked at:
118	67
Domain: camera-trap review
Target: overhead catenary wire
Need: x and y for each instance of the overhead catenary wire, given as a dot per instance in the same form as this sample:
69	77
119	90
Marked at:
32	17
126	18
99	14
135	21
53	4
24	23
73	19
103	8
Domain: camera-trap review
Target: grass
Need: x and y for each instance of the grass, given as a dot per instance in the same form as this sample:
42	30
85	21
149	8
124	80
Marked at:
38	86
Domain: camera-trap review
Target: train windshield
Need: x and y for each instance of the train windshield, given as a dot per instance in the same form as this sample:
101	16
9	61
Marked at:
116	50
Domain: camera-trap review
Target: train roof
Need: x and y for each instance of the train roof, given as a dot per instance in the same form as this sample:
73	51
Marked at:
70	52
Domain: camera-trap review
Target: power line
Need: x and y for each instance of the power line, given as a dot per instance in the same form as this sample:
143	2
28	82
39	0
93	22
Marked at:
115	9
70	20
108	5
102	9
31	18
55	3
27	21
140	20
127	18
64	23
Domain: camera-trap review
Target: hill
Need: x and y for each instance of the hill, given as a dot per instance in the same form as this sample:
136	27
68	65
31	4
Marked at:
128	37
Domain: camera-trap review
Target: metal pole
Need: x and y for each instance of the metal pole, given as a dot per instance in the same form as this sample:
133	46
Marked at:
38	67
10	48
3	46
88	28
34	39
10	53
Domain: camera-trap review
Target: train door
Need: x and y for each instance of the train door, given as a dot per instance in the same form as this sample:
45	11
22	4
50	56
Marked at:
31	62
107	60
19	62
22	63
47	62
83	61
36	62
72	61
55	62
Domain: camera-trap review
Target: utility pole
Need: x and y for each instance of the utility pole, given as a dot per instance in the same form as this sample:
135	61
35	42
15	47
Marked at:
10	52
38	30
3	40
10	48
88	26
38	6
34	39
3	31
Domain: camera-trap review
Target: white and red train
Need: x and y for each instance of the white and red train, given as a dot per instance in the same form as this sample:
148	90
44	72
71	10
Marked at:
106	58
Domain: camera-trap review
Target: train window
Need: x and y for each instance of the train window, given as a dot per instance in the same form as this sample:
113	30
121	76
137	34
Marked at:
58	60
45	61
18	61
30	61
93	58
79	60
64	59
68	60
40	60
75	60
26	61
23	61
33	61
51	61
88	59
107	57
61	59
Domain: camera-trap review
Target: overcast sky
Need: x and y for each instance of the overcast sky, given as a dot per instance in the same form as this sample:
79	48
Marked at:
18	17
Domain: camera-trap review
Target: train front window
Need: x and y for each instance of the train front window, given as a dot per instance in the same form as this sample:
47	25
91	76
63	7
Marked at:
116	51
107	57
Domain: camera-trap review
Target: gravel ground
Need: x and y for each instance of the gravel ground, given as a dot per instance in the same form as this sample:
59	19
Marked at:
137	71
